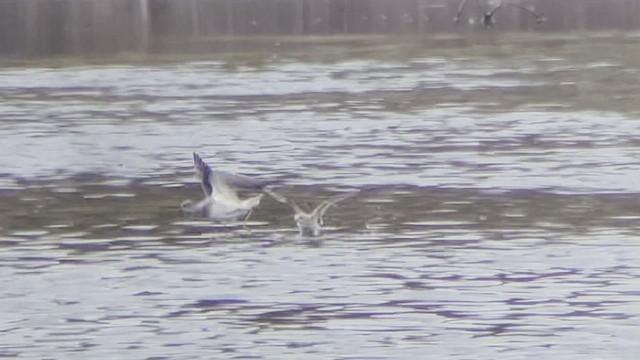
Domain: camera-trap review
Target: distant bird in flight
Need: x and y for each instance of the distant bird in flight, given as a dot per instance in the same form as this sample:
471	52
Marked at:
221	201
456	18
488	17
309	223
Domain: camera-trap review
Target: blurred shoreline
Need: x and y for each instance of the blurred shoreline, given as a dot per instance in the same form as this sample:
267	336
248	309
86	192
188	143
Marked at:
34	28
259	51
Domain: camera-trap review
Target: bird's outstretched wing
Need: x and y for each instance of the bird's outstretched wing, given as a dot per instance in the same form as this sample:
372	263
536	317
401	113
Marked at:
487	19
237	181
493	11
322	208
539	17
224	183
461	6
281	199
204	173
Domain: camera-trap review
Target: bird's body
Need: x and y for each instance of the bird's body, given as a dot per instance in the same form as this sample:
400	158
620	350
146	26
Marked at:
309	223
221	210
221	201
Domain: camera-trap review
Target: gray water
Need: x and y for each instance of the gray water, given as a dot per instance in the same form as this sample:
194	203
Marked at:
497	215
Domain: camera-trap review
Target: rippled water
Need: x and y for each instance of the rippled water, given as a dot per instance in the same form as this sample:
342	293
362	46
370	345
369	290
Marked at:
497	217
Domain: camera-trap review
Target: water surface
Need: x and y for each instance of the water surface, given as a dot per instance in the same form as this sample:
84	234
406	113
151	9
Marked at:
496	218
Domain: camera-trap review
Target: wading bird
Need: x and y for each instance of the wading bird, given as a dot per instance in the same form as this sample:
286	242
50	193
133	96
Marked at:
309	223
221	201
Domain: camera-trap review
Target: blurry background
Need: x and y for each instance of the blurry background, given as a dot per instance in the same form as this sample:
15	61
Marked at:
36	27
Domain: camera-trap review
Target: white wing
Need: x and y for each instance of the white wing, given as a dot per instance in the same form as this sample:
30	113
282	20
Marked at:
281	199
223	186
322	208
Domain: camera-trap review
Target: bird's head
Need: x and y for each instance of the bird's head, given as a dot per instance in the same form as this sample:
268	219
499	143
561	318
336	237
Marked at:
187	206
